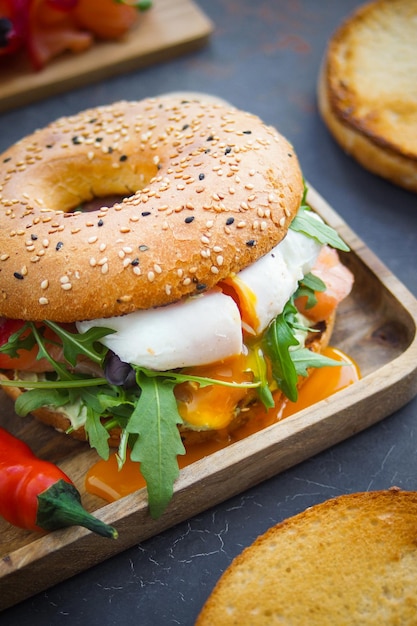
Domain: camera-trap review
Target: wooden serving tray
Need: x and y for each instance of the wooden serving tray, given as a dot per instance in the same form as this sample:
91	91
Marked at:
376	325
169	28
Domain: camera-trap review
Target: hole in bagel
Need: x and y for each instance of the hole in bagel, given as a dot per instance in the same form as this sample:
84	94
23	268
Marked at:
95	204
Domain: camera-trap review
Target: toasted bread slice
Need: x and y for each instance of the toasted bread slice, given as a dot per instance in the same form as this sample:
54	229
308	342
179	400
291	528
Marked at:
367	89
350	560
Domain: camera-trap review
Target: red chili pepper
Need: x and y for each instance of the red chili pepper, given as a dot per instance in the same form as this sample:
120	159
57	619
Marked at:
37	495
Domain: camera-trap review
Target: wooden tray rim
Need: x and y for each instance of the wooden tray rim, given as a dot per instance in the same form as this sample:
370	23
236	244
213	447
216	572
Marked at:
256	458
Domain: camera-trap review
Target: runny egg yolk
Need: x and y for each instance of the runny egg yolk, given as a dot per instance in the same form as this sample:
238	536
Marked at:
245	299
213	406
105	480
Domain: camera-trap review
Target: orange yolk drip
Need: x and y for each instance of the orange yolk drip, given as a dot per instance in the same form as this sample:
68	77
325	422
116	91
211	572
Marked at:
107	481
213	406
245	300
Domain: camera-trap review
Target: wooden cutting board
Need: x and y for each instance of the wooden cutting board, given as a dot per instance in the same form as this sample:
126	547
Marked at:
169	28
376	325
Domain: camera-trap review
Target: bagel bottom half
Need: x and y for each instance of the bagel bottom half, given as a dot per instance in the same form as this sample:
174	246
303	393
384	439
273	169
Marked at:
351	560
58	419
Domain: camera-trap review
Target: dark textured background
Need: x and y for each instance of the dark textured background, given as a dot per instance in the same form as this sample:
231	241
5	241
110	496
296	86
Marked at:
264	56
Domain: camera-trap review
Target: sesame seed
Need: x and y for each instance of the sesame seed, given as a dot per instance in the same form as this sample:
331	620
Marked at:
66	286
157	268
43	301
63	280
151	276
105	268
45	284
186	281
214	269
92	239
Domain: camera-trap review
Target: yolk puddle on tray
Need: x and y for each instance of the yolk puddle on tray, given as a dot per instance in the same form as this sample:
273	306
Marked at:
104	479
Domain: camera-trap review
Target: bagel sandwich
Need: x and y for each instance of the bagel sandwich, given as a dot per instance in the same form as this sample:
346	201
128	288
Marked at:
207	287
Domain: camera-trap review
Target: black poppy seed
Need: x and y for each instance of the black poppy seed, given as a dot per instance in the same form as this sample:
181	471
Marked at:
201	287
145	213
109	150
207	150
7	159
100	222
290	154
251	243
184	101
228	150
18	275
123	157
158	166
189	219
143	247
135	262
210	138
185	126
247	132
93	120
201	176
76	140
98	139
49	145
59	245
230	221
34	237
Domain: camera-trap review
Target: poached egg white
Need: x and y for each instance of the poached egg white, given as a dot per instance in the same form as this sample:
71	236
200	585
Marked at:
208	328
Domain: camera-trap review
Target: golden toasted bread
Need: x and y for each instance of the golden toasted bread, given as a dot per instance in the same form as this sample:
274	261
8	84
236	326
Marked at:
351	560
367	89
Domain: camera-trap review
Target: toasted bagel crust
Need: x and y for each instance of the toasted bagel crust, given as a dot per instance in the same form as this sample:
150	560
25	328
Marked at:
207	190
349	560
367	89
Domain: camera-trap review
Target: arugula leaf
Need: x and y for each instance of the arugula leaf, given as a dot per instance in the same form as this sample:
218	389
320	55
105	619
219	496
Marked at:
278	340
19	340
308	287
97	433
305	222
155	421
304	358
261	375
203	381
87	344
38	398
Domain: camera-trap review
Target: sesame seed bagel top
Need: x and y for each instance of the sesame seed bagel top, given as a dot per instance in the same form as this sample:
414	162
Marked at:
205	190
